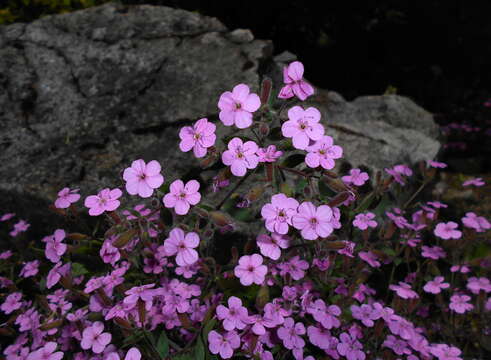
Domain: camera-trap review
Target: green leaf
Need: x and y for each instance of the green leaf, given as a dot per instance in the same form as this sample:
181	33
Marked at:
207	328
293	160
365	204
199	349
163	345
78	269
301	184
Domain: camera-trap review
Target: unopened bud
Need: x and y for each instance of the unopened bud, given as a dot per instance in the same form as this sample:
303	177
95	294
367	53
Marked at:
266	86
125	238
264	129
220	218
335	185
339	199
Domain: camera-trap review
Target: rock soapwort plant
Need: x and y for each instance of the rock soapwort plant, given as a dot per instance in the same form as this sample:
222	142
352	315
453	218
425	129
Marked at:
276	256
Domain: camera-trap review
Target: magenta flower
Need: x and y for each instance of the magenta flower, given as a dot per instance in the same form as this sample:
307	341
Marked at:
370	258
323	153
404	290
270	246
181	196
6	254
198	137
313	222
436	285
364	221
268	154
460	303
240	156
278	214
433	252
56	273
19	227
350	347
144	293
7	216
478	223
295	85
236	107
295	267
105	200
447	230
475	182
251	270
12	303
142	178
30	268
233	317
94	338
66	197
475	285
290	333
446	352
365	313
303	126
223	344
355	177
54	246
436	164
182	245
47	352
400	347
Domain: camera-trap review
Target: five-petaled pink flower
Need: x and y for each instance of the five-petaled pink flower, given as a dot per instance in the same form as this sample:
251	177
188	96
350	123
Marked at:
323	153
355	177
278	214
290	333
198	137
181	196
350	347
142	178
364	221
66	197
240	156
404	290
54	246
436	285
460	303
94	338
233	317
270	246
269	154
47	352
447	230
478	223
236	107
183	245
105	200
294	82
12	303
223	344
251	270
445	352
313	222
303	126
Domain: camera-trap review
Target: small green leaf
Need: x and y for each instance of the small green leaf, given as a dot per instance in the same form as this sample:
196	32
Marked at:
78	269
199	349
163	345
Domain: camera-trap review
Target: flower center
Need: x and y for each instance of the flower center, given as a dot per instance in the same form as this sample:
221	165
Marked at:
238	106
250	268
182	195
197	136
313	221
240	155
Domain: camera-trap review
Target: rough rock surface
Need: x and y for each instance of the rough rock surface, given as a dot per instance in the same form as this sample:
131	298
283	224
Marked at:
84	94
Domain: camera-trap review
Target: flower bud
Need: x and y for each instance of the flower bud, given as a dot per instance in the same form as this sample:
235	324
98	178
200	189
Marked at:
125	238
264	129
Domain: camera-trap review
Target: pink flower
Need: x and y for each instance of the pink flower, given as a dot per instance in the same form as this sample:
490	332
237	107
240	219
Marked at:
400	347
436	164
182	196
12	303
370	258
105	200
5	254
323	153
398	172
7	216
478	223
436	285
144	293
404	290
290	333
364	221
233	317
355	177
278	214
251	270
447	230
295	267
446	352
94	338
31	268
433	252
303	126
54	246
223	344
460	303
236	107
268	154
294	82
19	227
142	178
313	222
47	352
56	273
475	285
464	269
183	245
319	337
199	137
475	182
350	347
240	156
66	197
270	246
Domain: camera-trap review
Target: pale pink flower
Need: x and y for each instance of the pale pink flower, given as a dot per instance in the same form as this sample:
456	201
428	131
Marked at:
460	303
66	197
436	164
478	223
355	177
323	153
240	156
19	227
30	268
269	154
236	107
303	126
47	352
251	270
223	344
198	137
313	222
270	246
233	317
12	303
370	258
183	245
54	246
436	285
350	347
295	85
105	200
433	252
475	182
446	352
181	196
141	179
475	285
364	221
278	214
290	333
447	230
404	290
94	338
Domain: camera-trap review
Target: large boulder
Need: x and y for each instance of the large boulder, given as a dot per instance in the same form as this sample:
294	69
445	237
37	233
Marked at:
83	94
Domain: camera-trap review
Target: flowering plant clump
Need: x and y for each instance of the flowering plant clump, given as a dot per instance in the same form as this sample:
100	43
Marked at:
276	256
